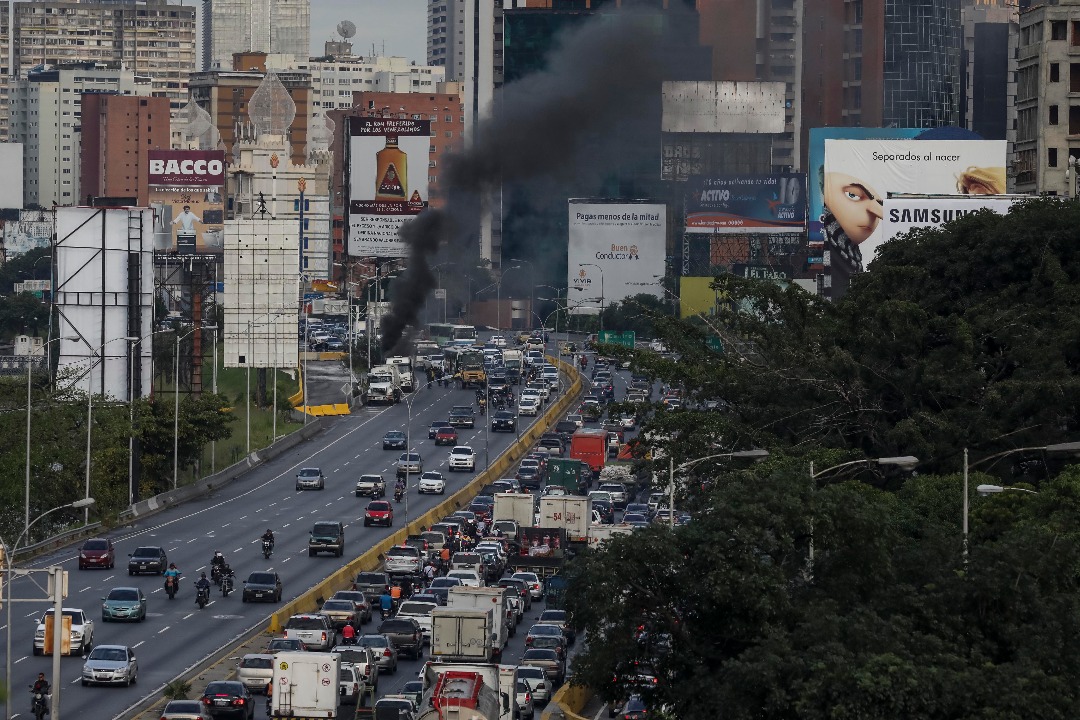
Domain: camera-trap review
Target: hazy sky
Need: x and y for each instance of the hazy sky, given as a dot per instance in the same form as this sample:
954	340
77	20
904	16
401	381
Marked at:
398	25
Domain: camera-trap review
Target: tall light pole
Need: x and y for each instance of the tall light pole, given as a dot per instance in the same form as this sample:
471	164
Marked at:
438	268
755	454
176	402
408	442
29	367
531	290
601	290
904	462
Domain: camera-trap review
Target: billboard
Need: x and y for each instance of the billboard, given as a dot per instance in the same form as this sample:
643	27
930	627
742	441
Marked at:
617	249
11	192
185	188
906	213
860	174
703	106
696	297
387	166
746	204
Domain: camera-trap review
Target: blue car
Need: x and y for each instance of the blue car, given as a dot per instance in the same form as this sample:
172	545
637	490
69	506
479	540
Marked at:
124	604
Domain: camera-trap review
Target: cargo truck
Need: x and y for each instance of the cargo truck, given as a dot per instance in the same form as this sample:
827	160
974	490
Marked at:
459	635
467	692
514	506
572	513
572	474
513	361
590	446
540	550
492	599
600	533
405	372
306	685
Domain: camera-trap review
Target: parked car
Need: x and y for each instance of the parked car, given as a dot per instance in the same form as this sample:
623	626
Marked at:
262	585
310	478
536	679
228	698
351	684
379	512
124	603
149	559
523	699
255	670
97	552
549	660
109	664
82	632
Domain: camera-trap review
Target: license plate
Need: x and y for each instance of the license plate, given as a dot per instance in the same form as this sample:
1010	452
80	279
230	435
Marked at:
142	567
221	701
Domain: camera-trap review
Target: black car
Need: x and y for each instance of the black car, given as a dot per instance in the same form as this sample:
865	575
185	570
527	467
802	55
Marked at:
404	634
503	421
521	587
149	559
373	585
564	429
529	477
228	698
462	416
434	428
262	586
394	440
606	510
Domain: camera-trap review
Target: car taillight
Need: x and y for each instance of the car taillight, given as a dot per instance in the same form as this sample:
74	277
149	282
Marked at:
238	701
528	641
205	700
324	637
386	652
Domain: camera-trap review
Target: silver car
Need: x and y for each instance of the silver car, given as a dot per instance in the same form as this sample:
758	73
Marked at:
385	653
185	710
537	681
109	664
255	670
523	697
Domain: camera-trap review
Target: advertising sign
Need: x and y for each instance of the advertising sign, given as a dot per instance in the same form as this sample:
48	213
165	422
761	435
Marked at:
906	213
697	297
746	204
541	542
186	192
860	174
388	182
616	250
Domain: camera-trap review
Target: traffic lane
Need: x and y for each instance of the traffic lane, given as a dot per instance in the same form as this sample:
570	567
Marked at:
158	651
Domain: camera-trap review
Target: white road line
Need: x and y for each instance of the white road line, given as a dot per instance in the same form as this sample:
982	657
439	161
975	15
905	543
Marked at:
76	680
187	616
225	525
85	589
192	540
239	549
244	517
20	659
163	629
137	644
156	591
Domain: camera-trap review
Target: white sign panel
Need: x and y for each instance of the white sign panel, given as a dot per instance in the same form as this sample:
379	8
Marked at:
860	174
907	213
692	106
11	159
616	250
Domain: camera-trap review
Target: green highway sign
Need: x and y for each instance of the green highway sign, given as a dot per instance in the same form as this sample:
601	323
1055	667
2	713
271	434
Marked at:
613	337
714	343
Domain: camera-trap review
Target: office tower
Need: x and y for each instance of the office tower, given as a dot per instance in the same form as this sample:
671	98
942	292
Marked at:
274	27
118	131
988	77
921	75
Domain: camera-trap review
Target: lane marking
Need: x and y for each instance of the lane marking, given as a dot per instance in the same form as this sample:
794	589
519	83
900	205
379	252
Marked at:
163	629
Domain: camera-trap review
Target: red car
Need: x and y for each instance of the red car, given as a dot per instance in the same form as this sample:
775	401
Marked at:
97	552
379	512
446	436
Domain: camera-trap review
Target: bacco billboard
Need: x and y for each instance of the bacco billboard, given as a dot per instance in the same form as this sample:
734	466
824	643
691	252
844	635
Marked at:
907	213
616	250
185	190
387	169
746	204
860	175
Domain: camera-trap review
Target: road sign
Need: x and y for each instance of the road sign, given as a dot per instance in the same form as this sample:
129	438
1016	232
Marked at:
440	293
625	338
714	343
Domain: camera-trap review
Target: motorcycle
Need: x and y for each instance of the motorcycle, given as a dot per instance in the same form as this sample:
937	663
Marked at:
216	571
226	584
399	492
170	587
202	596
39	705
268	549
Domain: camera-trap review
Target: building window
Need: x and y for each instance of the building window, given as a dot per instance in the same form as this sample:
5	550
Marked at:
1074	119
1075	33
1074	77
1051	157
1053	115
1058	30
1055	72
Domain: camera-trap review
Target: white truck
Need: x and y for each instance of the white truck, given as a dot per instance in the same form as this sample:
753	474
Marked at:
405	373
382	393
573	513
601	533
459	635
513	361
306	685
494	599
385	374
466	692
514	506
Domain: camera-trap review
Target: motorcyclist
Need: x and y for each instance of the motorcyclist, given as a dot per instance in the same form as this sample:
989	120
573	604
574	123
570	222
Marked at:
172	575
348	634
217	564
399	489
268	536
386	604
202	584
41	685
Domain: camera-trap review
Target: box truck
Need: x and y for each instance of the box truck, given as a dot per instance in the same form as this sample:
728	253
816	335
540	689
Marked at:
514	506
573	513
491	599
459	635
305	685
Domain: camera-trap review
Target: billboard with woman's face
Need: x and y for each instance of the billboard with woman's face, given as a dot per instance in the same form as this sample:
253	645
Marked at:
860	174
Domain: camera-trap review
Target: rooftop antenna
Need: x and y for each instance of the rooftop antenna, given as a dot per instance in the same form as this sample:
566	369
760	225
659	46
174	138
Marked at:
346	29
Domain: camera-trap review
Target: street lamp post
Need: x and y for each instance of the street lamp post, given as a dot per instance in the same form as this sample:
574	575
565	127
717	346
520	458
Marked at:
531	290
904	462
176	402
755	454
58	610
408	443
601	290
993	489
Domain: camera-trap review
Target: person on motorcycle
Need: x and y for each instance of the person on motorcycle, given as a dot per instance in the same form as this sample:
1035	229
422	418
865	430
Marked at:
218	560
348	634
172	572
386	604
268	536
202	583
41	685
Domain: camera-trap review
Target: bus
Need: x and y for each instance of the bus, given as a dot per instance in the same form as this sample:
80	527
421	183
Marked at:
444	334
466	365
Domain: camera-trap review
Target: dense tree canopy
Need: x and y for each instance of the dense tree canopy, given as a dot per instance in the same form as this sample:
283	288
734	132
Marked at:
961	337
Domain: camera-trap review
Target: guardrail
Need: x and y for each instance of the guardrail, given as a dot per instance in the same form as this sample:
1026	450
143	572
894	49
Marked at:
58	540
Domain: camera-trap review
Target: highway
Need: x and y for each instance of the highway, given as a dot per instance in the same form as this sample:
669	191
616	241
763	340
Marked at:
177	635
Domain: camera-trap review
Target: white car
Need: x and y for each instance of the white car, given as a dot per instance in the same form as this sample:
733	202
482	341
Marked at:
533	393
82	632
575	418
498	341
541	388
462	457
468	578
534	358
421	613
432	482
528	405
627	422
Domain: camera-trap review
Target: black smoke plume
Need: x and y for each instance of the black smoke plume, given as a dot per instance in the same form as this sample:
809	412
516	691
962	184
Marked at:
589	116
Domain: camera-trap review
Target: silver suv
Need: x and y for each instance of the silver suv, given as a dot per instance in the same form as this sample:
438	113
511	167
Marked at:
255	670
314	630
402	560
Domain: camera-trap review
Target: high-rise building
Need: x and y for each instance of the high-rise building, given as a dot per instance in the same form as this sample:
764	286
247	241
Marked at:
1048	115
118	131
273	27
988	77
46	115
151	38
921	75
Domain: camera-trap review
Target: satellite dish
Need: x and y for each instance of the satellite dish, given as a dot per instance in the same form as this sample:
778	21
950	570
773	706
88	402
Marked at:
346	29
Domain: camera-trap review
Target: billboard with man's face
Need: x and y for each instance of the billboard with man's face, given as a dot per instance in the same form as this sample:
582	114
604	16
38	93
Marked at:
860	174
186	192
